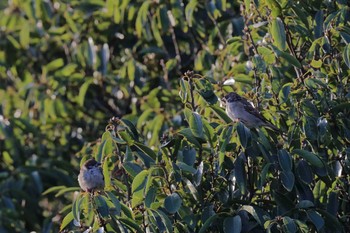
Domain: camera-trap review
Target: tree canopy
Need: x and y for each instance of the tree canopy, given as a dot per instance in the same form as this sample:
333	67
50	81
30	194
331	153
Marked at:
137	86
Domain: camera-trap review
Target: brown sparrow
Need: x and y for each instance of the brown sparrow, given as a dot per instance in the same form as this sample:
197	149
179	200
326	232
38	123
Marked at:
91	176
239	109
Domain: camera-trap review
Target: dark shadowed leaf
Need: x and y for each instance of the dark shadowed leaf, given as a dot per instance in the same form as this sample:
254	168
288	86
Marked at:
346	55
244	135
240	174
333	203
318	29
304	172
172	203
165	220
287	179
101	205
316	219
304	204
233	224
285	160
208	223
289	225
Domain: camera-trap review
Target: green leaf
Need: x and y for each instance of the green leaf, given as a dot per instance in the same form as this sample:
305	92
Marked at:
106	173
289	225
115	202
305	204
127	211
221	113
150	197
192	188
139	181
138	185
172	203
76	207
143	118
278	33
131	128
189	156
184	88
66	220
233	224
304	172
288	180
208	223
157	124
210	133
187	133
131	224
148	151
141	18
240	174
318	29
165	220
186	168
82	92
316	63
259	215
316	219
346	55
171	64
101	205
275	7
244	135
24	35
195	122
289	58
263	175
285	160
66	190
55	64
312	158
340	108
54	189
132	168
189	9
225	138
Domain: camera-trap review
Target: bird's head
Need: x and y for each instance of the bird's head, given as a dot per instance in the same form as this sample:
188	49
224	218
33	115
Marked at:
231	97
91	163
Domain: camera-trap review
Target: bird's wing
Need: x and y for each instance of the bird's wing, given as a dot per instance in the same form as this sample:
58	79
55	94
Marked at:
249	108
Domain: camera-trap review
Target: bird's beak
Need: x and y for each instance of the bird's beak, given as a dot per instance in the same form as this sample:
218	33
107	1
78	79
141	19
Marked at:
98	164
223	102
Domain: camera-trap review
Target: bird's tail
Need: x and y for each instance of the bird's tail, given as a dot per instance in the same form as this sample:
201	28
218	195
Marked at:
271	126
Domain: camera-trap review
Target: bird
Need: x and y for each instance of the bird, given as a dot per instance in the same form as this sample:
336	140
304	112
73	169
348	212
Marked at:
91	176
240	109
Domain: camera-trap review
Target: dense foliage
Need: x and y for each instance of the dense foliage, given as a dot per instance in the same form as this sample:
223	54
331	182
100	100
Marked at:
71	71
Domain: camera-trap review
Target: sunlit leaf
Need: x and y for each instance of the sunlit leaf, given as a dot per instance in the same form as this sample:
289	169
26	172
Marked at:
66	220
278	33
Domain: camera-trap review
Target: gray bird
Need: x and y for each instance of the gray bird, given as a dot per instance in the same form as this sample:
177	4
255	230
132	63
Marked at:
91	176
239	109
